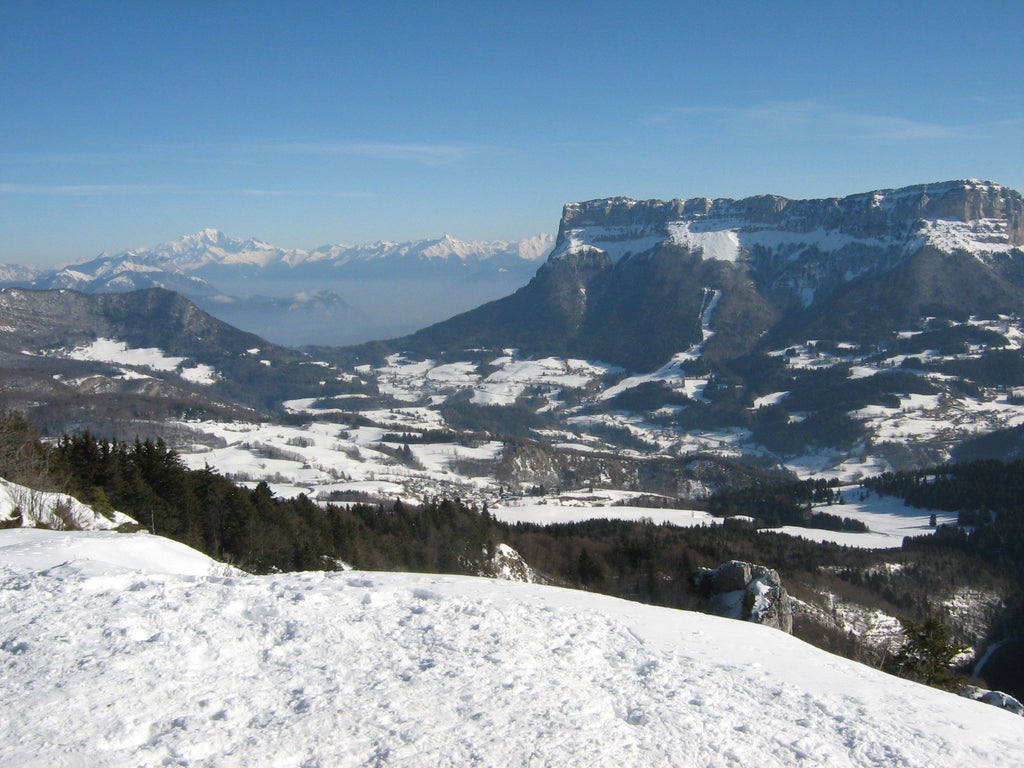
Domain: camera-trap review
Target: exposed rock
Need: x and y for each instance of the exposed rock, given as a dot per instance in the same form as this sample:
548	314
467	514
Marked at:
995	698
749	592
509	565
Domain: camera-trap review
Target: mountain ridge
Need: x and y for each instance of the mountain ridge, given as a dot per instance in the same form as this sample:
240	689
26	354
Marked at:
212	248
379	289
625	280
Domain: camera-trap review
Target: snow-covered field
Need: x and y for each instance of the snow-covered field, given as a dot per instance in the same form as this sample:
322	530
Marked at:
107	664
325	457
376	445
887	517
119	353
566	509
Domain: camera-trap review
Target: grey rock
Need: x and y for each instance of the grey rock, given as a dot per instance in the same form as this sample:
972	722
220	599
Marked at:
994	698
749	592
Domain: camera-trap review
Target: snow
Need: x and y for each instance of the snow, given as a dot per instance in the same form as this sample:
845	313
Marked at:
888	519
552	511
119	353
672	372
982	237
104	553
130	654
719	237
772	398
409	380
715	242
508	383
53	510
616	242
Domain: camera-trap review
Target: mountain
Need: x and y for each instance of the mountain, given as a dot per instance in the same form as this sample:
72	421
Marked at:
147	354
132	649
634	282
211	249
17	273
390	287
877	330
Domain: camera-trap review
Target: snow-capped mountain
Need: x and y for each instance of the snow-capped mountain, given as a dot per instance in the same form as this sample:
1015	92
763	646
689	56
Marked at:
444	249
210	253
14	273
134	649
805	247
382	289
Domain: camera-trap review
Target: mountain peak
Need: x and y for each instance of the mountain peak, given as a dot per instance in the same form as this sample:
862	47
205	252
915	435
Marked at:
205	237
211	234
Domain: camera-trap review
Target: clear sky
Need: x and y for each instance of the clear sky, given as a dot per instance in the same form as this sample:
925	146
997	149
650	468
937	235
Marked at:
126	124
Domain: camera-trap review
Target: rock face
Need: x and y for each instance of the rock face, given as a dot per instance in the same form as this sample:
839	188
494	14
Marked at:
627	279
619	225
748	592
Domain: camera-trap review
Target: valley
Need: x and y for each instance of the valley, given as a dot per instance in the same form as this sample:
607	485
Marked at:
512	385
665	363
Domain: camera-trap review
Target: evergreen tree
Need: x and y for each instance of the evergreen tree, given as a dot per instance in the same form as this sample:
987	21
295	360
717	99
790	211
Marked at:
928	653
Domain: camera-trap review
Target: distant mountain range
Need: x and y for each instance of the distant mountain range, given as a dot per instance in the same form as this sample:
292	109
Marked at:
330	295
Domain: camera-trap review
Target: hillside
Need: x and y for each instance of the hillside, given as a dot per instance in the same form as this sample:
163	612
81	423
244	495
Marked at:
185	661
77	359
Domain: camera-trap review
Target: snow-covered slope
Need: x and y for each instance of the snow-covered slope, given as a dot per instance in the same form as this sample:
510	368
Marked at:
104	665
59	511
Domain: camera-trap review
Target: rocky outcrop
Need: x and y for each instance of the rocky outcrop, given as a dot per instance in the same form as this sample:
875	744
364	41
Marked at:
893	214
995	698
749	592
509	565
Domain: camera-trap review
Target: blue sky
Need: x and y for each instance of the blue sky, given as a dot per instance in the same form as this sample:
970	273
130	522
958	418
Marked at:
127	124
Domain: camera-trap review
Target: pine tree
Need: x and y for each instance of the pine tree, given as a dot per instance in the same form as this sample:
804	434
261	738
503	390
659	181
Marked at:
928	653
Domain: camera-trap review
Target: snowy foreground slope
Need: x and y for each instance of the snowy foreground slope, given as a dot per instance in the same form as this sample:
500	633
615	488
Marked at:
181	664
